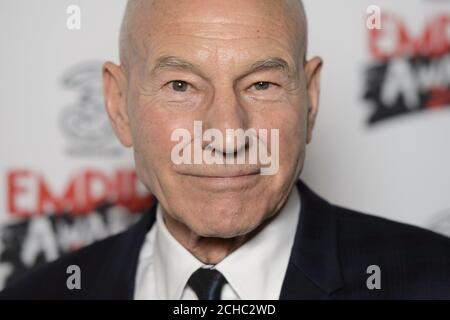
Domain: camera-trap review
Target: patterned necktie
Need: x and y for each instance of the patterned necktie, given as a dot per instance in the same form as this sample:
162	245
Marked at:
207	283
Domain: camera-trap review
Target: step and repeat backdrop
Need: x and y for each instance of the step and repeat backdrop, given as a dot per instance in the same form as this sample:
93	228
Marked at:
381	143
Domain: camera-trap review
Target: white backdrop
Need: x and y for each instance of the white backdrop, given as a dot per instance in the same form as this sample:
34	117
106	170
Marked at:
58	154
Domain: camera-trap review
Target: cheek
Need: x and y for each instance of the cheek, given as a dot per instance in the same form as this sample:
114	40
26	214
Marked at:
291	125
293	131
152	128
290	122
294	123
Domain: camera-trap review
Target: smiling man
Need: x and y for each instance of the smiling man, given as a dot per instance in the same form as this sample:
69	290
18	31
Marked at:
225	230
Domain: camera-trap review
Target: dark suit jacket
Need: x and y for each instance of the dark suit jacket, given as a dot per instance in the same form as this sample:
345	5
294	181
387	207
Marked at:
332	249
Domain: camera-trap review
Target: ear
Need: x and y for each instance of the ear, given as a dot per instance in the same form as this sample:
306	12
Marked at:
313	69
115	95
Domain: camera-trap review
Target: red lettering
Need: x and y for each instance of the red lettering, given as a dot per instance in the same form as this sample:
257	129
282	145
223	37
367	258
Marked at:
14	191
83	193
47	202
394	39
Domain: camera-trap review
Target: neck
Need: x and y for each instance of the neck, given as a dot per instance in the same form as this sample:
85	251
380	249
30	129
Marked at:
208	250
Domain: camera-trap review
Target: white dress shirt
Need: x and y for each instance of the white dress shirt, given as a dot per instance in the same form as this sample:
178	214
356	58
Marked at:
255	270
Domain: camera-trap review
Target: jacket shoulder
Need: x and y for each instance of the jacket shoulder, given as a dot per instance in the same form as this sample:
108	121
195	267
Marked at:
414	262
397	233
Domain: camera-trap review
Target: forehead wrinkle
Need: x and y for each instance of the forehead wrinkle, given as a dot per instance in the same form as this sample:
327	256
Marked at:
173	62
132	30
270	64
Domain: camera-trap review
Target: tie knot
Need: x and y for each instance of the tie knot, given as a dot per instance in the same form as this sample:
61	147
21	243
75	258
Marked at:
207	283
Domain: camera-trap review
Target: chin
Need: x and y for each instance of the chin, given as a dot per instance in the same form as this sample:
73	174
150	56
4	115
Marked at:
227	221
223	231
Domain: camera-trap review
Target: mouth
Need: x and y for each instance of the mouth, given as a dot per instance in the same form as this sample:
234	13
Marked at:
225	179
223	175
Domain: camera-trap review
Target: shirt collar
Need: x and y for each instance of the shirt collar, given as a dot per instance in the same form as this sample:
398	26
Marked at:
173	263
254	271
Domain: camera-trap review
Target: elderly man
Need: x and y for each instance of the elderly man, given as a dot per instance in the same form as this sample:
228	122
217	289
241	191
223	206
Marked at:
223	228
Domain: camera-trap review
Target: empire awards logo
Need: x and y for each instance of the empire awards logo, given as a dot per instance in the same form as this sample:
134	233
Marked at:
84	122
411	70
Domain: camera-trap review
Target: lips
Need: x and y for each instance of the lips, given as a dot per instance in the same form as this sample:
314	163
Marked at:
221	178
232	171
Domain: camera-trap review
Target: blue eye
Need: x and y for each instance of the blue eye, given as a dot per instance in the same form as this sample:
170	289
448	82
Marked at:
262	85
180	86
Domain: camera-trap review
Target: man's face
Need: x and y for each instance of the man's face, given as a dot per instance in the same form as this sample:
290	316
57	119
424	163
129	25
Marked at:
196	63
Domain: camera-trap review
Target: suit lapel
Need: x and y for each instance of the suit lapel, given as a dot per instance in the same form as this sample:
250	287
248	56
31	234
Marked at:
314	269
116	278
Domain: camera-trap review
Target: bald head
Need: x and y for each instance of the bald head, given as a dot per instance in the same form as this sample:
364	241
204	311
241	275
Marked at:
138	12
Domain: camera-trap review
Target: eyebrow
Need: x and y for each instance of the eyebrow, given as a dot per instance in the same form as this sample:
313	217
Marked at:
173	62
270	63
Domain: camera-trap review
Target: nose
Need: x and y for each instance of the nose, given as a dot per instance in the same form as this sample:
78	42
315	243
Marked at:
225	112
